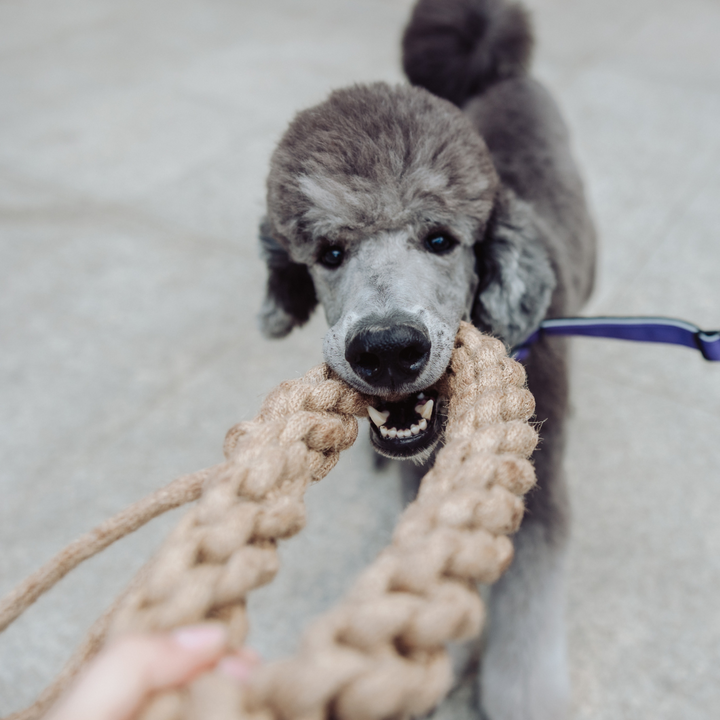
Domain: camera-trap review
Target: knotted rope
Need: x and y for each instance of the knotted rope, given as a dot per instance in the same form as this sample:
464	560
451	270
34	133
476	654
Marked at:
380	652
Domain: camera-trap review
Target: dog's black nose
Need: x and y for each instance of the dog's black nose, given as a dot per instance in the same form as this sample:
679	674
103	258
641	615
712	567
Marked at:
388	353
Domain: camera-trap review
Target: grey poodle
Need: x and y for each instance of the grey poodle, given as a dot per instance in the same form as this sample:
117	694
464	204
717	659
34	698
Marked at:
404	210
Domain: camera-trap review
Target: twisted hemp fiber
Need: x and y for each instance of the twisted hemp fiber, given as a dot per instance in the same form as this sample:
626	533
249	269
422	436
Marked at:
380	653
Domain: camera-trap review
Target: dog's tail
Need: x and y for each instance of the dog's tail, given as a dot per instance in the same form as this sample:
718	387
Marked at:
457	48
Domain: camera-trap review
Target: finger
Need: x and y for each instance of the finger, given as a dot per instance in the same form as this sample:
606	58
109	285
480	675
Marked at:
121	678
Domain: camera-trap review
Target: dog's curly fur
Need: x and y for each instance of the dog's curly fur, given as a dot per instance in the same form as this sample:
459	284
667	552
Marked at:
475	148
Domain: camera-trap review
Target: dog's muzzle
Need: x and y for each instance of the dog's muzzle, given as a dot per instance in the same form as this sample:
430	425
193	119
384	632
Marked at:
389	353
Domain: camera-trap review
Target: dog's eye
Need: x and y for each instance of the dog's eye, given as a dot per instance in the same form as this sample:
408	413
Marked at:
440	243
332	257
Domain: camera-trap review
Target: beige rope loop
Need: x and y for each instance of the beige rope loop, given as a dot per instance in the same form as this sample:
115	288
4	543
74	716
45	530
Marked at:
381	652
420	593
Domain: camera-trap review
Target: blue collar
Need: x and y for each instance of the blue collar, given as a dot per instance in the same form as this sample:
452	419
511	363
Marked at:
640	329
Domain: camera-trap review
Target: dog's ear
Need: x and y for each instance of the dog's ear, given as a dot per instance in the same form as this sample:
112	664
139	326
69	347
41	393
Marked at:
514	270
290	293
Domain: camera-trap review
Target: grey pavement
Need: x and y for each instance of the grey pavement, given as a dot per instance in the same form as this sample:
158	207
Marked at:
134	145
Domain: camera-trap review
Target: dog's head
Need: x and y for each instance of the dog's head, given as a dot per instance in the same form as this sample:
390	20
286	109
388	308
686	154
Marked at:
384	205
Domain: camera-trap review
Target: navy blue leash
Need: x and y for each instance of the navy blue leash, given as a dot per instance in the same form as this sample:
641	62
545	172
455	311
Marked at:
640	329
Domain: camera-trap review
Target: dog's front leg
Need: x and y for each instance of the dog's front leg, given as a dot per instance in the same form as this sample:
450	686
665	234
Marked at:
524	673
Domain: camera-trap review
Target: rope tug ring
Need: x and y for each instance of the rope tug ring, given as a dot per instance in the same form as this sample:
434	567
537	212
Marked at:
380	653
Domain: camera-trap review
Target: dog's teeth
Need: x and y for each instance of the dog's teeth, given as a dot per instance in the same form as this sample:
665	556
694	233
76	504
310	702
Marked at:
406	433
392	433
419	409
384	431
379	418
423	424
421	396
426	410
414	429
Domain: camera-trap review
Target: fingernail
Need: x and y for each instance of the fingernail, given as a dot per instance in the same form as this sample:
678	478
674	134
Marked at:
249	655
234	667
200	637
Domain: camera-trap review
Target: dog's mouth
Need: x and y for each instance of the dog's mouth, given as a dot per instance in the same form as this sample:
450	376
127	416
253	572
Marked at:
408	427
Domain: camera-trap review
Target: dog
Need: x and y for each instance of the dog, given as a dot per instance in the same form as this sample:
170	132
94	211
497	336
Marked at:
404	210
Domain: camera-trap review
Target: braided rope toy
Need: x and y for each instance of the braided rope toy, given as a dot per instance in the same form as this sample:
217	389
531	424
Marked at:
381	651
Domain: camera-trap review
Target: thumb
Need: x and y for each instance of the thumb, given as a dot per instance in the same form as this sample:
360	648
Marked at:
125	673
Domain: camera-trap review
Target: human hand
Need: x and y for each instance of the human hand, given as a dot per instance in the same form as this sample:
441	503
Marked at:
118	681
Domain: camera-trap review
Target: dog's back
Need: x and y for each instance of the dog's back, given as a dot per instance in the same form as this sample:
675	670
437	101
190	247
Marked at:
476	54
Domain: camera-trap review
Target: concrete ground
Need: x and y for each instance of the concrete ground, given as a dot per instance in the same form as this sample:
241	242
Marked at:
134	143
